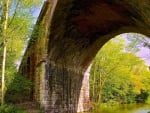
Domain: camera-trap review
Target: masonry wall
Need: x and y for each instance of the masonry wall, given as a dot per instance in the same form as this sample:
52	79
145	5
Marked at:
34	61
66	94
56	87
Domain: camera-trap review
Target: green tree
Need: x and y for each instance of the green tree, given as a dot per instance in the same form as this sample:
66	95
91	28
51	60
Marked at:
16	21
4	28
103	66
117	75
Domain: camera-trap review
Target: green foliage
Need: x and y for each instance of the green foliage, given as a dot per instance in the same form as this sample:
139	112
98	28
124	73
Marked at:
19	89
118	76
10	109
20	84
37	33
19	29
142	97
148	100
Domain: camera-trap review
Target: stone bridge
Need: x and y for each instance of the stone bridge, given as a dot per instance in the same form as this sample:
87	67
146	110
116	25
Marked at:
66	38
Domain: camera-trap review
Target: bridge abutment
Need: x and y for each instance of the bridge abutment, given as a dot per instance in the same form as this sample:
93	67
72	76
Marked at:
68	90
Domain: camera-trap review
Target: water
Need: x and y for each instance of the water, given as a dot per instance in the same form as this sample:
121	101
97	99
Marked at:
142	111
123	109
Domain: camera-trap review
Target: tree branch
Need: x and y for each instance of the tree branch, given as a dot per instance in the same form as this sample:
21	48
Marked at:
14	13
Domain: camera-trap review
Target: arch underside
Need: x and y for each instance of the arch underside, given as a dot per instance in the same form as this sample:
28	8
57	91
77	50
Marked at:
79	28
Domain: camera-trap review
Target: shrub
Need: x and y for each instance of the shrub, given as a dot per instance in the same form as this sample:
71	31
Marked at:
19	90
10	109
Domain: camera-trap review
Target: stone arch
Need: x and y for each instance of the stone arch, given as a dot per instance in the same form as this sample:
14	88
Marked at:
78	29
74	31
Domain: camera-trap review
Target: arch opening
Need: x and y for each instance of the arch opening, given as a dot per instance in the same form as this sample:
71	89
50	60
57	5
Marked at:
119	73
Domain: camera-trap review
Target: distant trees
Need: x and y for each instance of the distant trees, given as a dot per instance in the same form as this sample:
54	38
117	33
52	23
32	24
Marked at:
117	75
136	41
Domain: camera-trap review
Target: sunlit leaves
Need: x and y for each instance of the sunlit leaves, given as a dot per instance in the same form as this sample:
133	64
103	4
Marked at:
20	23
19	29
137	83
118	75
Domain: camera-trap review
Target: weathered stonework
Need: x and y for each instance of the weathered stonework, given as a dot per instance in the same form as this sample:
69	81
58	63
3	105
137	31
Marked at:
73	31
84	102
34	62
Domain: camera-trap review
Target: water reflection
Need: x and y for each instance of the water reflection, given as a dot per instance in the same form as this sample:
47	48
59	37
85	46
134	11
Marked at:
123	109
143	111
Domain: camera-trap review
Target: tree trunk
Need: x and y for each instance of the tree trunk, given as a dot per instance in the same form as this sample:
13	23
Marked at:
3	73
5	21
